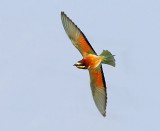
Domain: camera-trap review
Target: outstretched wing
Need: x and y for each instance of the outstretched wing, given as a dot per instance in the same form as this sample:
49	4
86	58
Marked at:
98	87
76	35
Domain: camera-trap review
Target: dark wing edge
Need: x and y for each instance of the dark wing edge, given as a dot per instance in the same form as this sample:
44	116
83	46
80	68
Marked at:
99	90
104	83
63	14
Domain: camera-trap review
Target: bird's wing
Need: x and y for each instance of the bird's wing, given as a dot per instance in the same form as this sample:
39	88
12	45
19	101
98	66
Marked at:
76	36
98	87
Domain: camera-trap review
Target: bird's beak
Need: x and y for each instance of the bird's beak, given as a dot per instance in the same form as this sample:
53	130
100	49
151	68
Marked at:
77	64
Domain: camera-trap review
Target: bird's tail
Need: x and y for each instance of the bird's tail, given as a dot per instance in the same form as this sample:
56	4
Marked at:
108	58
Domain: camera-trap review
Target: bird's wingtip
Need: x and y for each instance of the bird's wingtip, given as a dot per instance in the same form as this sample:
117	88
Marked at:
104	114
62	13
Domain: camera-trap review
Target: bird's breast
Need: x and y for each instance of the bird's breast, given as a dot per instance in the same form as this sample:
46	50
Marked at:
92	61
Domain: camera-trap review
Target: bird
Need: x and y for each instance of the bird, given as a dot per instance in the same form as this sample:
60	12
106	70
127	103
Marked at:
90	61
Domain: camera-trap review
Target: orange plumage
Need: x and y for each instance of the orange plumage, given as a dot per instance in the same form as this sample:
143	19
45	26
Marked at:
90	61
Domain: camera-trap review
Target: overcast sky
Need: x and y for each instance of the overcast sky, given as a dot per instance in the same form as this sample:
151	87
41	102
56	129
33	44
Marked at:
41	90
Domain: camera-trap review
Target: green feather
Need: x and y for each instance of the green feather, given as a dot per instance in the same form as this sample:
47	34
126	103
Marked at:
108	58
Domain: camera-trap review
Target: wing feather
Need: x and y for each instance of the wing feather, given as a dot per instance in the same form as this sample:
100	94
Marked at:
76	36
98	87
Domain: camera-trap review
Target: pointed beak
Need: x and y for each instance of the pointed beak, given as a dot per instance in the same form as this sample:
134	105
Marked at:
75	64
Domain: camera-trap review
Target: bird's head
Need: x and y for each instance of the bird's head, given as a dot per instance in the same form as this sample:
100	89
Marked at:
80	65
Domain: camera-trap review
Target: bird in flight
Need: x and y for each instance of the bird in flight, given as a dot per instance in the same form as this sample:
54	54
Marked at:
90	61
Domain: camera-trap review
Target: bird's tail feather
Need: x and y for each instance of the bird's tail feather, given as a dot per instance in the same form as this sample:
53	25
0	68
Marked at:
108	58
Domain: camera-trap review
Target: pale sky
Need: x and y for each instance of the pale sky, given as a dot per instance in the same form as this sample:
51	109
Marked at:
41	90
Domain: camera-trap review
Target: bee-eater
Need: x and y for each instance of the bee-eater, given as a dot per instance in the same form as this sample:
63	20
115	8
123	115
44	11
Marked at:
90	61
